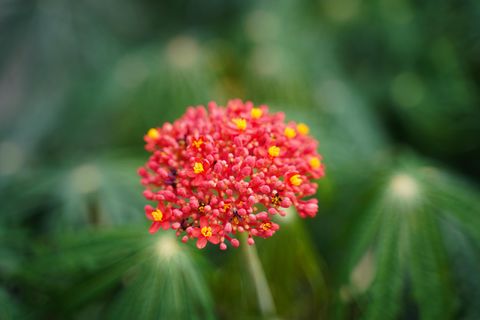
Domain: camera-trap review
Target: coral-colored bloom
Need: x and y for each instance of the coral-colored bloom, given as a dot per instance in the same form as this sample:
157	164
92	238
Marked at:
214	174
206	233
160	218
294	179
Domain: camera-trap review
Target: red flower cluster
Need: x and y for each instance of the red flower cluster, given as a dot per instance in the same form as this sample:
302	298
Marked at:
217	173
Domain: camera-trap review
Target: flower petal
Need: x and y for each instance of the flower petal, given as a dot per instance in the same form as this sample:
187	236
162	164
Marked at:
154	227
148	211
165	225
196	232
201	242
215	239
203	222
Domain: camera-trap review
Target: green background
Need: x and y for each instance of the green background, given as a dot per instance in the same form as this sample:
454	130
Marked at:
390	88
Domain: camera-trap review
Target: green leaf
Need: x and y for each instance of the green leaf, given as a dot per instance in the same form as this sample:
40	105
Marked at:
384	302
148	277
407	246
429	268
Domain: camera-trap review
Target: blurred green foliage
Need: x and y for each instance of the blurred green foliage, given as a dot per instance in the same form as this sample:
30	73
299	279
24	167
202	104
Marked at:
391	89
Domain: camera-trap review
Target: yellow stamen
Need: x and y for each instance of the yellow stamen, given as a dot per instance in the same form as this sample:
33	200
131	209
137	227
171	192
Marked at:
198	167
274	151
266	226
240	123
226	206
235	220
303	129
296	180
157	215
315	162
290	133
197	143
153	133
206	231
201	207
256	113
276	200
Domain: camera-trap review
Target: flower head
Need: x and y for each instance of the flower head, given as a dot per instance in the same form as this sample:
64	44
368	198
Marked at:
217	173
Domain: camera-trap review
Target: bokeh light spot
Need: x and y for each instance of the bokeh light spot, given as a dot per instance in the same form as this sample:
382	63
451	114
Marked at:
11	157
404	186
85	178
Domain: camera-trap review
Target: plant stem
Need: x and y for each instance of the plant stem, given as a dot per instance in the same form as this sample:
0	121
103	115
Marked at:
264	296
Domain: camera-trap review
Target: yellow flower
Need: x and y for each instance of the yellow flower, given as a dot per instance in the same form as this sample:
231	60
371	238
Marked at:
296	180
314	162
157	215
274	151
256	113
197	143
206	231
198	167
266	226
153	133
303	129
240	123
290	133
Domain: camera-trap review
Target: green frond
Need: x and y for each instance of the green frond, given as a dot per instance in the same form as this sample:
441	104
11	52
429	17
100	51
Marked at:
430	269
170	285
148	277
82	194
386	289
404	233
464	255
